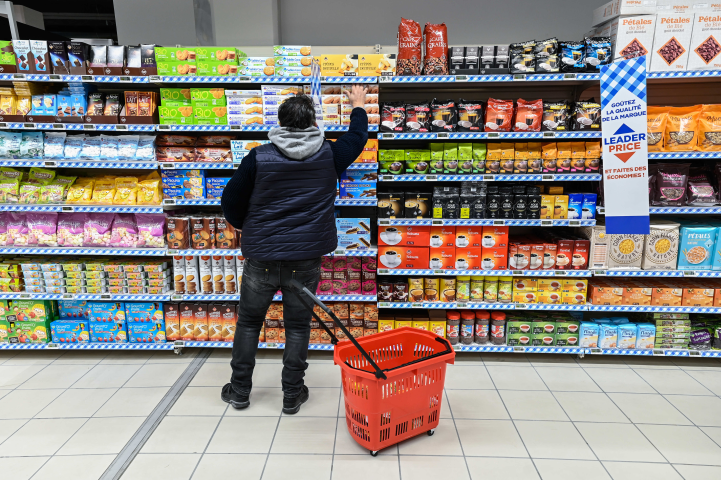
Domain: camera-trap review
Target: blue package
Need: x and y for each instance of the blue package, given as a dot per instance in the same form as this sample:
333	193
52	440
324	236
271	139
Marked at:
69	331
588	207
51	104
91	148
73	146
108	332
54	144
358	175
78	105
607	335
109	147
572	56
127	146
143	312
147	332
107	312
696	247
598	52
627	335
10	144
146	148
73	309
31	145
217	182
212	193
645	335
589	335
575	200
38	105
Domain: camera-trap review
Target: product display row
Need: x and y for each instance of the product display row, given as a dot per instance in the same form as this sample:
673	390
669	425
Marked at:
681	129
656	292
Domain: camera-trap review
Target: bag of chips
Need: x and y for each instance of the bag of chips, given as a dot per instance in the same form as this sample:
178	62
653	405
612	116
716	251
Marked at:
103	192
656	118
709	129
126	191
499	115
17	229
29	193
682	128
41	176
98	229
81	191
70	229
528	115
42	229
124	233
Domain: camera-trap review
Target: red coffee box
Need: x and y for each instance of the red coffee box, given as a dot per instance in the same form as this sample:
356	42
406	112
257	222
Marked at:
412	236
469	237
494	236
494	258
442	236
519	256
537	251
403	257
469	258
172	321
579	258
564	254
550	250
443	258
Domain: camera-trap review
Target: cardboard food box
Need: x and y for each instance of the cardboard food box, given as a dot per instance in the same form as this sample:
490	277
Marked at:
672	42
403	257
412	236
705	41
374	65
210	115
175	54
220	54
184	68
633	37
666	296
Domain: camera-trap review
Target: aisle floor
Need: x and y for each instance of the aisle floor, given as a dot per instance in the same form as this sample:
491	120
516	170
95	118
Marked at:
68	415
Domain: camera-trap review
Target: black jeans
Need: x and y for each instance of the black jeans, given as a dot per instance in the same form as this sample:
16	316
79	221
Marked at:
261	280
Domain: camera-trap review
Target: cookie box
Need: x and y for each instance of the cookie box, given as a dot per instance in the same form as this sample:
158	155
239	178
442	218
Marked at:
108	332
146	332
69	331
31	331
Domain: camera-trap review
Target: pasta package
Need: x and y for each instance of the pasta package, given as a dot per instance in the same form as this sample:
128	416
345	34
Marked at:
682	128
656	119
709	129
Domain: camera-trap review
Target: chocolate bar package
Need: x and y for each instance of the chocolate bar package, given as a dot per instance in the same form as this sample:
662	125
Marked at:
58	58
77	56
22	55
116	56
96	103
40	56
97	59
132	57
112	104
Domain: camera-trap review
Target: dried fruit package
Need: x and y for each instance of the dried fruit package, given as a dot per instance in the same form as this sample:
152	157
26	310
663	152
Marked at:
682	128
656	119
671	181
436	60
410	39
499	115
528	115
709	129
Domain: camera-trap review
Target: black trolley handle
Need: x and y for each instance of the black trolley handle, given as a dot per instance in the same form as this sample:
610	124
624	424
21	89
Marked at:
301	288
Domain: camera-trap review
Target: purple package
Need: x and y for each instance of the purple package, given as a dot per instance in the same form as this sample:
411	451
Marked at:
125	231
369	288
97	229
70	229
151	230
43	229
3	229
326	264
17	229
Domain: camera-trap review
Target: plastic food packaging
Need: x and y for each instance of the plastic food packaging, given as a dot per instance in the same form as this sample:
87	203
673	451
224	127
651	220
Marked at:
499	115
126	191
124	233
42	228
109	147
410	39
10	144
70	229
436	60
528	115
31	145
671	182
151	230
656	119
98	229
54	144
17	229
81	191
709	129
682	128
103	192
3	229
73	147
90	149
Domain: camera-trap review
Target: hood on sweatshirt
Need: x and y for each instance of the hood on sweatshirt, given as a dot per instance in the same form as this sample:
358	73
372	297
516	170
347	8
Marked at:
296	143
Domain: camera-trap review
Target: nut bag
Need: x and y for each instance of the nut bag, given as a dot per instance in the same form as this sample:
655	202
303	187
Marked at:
656	119
709	129
682	128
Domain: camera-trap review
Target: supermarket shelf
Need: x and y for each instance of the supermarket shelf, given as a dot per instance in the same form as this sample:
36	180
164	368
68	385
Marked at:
667	352
650	308
88	296
353	202
69	164
676	210
245	128
202	201
537	177
140	252
489	273
363	166
233	297
338	298
197	253
518	349
682	155
80	208
86	346
657	273
488	221
489	136
198	166
358	202
91	127
483	306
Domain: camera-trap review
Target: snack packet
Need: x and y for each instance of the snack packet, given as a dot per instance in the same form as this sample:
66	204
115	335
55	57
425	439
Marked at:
91	148
73	147
9	190
151	230
52	193
41	176
3	229
149	189
31	145
10	144
42	228
29	193
124	233
54	144
109	147
709	129
656	118
81	191
17	229
127	146
103	192
682	128
126	191
146	148
98	229
70	229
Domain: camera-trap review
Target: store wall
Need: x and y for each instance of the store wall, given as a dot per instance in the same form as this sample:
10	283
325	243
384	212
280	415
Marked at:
246	22
163	22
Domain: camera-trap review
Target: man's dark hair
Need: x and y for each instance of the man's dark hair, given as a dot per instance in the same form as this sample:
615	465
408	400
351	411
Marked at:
297	112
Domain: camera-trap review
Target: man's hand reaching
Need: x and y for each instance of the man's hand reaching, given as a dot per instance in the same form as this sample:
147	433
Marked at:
357	95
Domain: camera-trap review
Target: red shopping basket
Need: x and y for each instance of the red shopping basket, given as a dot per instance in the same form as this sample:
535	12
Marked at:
392	381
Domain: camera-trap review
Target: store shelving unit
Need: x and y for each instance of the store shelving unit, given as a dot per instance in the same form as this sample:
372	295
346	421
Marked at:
488	221
531	177
17	207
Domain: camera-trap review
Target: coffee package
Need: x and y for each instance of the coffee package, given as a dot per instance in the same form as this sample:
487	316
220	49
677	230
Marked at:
444	115
634	37
671	42
705	43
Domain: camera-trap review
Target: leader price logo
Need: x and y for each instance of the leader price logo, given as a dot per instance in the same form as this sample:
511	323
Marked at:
624	143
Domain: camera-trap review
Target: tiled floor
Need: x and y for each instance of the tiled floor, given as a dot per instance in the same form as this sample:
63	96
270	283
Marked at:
503	417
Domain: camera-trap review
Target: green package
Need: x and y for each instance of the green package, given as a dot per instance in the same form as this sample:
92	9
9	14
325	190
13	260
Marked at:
465	151
7	55
479	166
418	155
543	339
175	54
518	339
566	339
437	151
224	68
479	151
41	176
180	96
210	115
392	167
177	68
450	166
450	151
219	54
418	167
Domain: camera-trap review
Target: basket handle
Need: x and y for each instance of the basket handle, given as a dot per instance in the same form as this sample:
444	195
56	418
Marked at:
302	289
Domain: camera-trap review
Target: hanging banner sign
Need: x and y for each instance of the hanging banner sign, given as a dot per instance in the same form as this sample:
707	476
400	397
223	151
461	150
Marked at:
315	95
625	147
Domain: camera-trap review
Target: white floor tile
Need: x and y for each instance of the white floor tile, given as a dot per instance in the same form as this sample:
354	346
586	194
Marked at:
363	467
490	438
502	468
590	407
199	401
40	437
565	379
322	402
515	378
714	433
80	358
160	375
571	470
244	435
557	440
56	376
345	443
26	358
634	471
107	376
305	435
619	442
213	375
443	442
82	467
8	427
532	406
297	467
77	403
132	402
649	362
641	408
551	360
681	444
322	375
673	382
181	435
169	357
623	380
467	377
162	467
216	466
221	355
503	359
603	361
264	402
698	472
102	436
708	378
26	403
697	408
476	404
433	468
21	468
12	376
126	357
697	363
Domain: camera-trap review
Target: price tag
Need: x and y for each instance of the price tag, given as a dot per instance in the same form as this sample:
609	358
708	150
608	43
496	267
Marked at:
689	273
167	166
385	79
339	252
519	77
547	178
126	79
154	78
549	134
416	305
461	305
19	76
58	126
172	252
3	125
55	78
440	136
383	271
439	272
457	348
493	135
271	345
489	178
461	78
50	164
519	349
29	125
601	211
68	296
599	273
546	223
388	178
559	273
384	221
243	79
168	202
596	351
387	136
179	343
66	208
235	127
52	346
499	222
694	353
569	76
163	127
436	221
574	223
658	352
431	178
384	304
176	298
517	272
121	128
87	78
88	127
521	306
25	295
106	296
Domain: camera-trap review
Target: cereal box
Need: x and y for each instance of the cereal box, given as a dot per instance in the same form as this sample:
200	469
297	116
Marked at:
73	309
108	332
147	332
69	331
107	312
696	247
144	312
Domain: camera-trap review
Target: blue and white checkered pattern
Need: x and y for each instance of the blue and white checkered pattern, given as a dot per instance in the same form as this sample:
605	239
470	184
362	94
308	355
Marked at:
467	136
425	79
685	210
683	155
628	74
155	252
613	351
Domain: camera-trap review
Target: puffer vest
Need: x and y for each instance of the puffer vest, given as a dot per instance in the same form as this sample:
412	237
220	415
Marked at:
291	211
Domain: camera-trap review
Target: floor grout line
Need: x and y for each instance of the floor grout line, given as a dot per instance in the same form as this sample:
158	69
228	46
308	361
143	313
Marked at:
335	434
131	449
220	420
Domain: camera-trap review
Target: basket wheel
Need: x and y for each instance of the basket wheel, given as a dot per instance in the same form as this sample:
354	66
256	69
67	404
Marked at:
374	453
431	432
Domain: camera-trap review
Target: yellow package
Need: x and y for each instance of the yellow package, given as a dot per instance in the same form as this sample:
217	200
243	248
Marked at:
24	105
8	104
81	191
126	191
104	192
148	192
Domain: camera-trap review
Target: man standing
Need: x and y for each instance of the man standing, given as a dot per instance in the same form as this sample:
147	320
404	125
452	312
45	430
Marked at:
282	197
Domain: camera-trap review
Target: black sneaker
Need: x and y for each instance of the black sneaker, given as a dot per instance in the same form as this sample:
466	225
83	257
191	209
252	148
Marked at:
228	395
291	405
